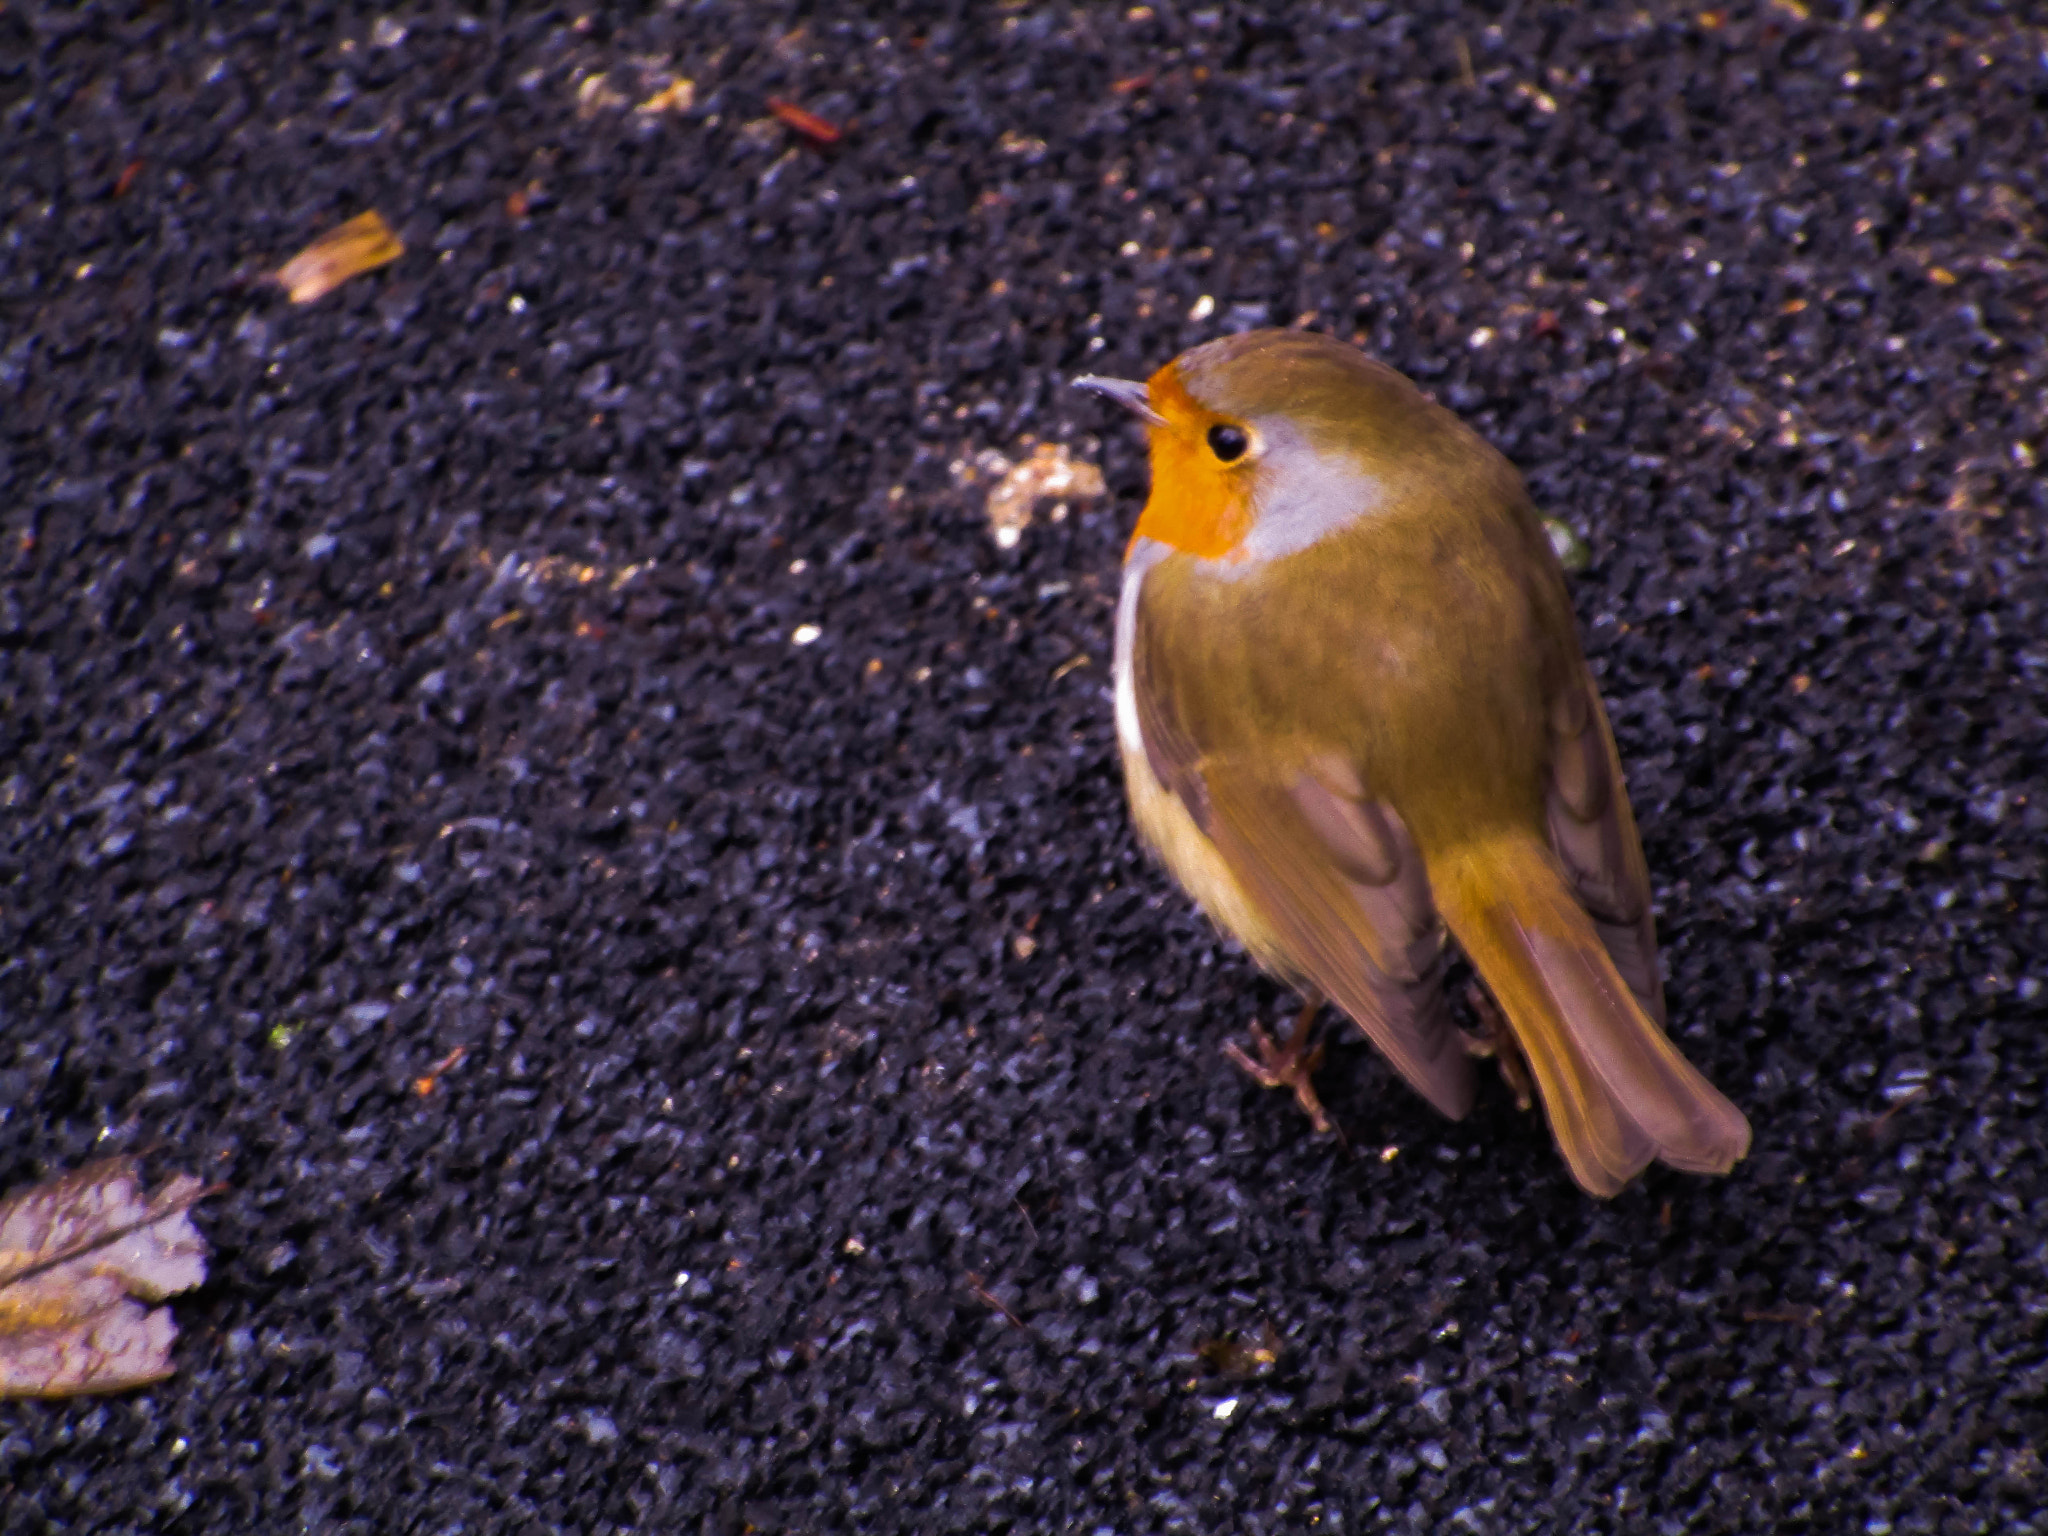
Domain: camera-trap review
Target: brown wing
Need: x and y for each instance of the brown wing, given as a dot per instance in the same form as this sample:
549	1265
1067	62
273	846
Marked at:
1334	874
1593	834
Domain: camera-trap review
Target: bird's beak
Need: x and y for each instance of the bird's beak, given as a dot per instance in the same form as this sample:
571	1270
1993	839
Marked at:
1128	393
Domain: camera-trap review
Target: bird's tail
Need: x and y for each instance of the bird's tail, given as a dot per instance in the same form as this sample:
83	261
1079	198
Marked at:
1616	1090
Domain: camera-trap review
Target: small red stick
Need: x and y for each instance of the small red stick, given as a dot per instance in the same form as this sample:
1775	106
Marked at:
425	1085
809	124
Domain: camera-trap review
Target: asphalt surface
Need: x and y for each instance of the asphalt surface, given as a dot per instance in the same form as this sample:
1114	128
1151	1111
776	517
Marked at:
841	1138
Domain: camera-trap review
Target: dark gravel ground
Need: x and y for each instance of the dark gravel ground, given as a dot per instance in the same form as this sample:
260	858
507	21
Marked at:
414	671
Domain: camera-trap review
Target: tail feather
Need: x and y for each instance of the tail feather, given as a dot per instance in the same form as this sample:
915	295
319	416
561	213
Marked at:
1618	1093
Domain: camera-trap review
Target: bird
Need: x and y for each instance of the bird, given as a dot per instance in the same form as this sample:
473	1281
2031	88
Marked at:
1357	725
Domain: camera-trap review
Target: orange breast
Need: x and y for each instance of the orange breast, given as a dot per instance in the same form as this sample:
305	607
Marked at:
1197	504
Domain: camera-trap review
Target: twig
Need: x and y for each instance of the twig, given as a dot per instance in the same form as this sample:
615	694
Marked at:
425	1085
989	1298
1069	665
1872	1129
1805	1317
807	125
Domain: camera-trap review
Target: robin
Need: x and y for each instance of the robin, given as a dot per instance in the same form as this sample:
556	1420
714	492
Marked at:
1356	722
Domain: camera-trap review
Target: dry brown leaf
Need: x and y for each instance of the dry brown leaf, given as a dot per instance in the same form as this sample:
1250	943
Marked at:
363	244
74	1250
1232	1356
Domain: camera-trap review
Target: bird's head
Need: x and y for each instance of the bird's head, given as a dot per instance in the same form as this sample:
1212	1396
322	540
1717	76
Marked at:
1266	443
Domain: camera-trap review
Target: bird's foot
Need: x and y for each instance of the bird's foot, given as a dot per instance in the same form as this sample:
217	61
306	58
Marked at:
1291	1066
1498	1041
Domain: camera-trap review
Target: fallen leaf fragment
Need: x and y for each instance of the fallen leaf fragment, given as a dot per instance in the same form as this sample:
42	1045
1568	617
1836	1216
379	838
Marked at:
363	244
809	124
595	94
677	96
74	1252
1048	474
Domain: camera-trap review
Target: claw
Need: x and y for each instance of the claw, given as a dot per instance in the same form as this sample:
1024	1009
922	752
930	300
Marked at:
1289	1066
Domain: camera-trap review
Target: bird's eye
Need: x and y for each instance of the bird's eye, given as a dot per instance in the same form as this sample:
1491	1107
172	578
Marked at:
1228	442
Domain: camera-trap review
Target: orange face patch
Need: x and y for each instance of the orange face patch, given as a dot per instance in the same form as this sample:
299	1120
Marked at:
1198	504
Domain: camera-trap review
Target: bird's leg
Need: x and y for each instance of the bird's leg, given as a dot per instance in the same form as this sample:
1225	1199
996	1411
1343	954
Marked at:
1498	1041
1291	1065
